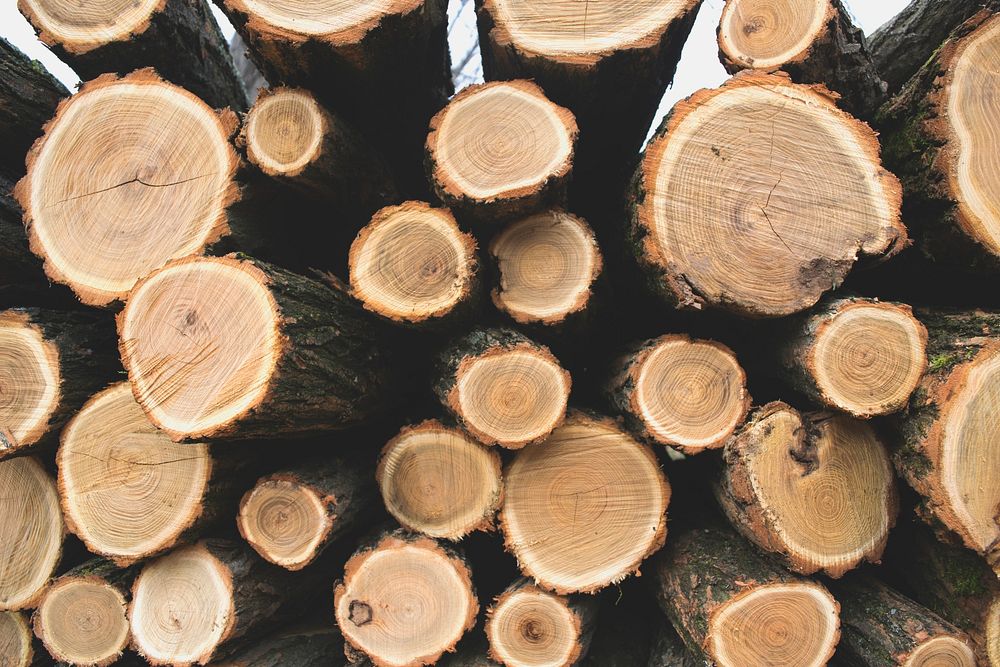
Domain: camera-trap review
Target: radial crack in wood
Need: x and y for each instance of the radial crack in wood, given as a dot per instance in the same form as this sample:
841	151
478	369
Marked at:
15	639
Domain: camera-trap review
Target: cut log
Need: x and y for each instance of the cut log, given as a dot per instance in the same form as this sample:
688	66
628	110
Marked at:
882	627
861	356
413	265
199	602
130	493
82	619
289	517
130	174
547	264
437	481
384	584
530	627
502	387
235	348
735	607
759	196
938	138
814	42
585	509
52	362
31	532
816	489
945	449
688	394
15	640
321	646
500	151
179	38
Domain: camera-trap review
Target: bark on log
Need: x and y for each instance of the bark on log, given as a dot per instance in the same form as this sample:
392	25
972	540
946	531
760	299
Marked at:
735	607
687	394
814	42
500	151
179	38
502	387
53	361
938	138
321	646
31	532
438	481
860	356
16	644
529	626
584	510
751	245
880	627
381	584
130	493
816	489
198	603
256	351
289	517
945	449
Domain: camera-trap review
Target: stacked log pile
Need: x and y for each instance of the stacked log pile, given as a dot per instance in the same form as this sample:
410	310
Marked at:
346	372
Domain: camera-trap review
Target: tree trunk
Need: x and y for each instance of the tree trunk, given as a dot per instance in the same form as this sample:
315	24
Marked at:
728	602
751	245
179	38
687	394
282	355
373	601
319	646
815	42
861	356
289	517
502	387
881	627
937	138
500	151
52	364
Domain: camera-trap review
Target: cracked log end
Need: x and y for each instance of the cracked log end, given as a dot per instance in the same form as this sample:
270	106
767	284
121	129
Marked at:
31	532
80	27
127	490
286	522
82	621
766	34
818	489
29	379
437	481
130	173
15	639
759	196
584	509
405	601
284	132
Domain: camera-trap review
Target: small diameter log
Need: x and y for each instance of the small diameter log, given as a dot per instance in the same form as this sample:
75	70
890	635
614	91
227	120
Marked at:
440	482
413	265
502	387
321	646
16	648
814	42
31	532
235	348
199	602
82	617
688	394
735	607
51	362
384	584
803	196
938	138
530	627
816	489
860	356
547	265
946	448
130	493
130	173
289	517
179	38
500	151
880	627
583	511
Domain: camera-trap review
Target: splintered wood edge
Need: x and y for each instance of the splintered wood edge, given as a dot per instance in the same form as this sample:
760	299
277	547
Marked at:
217	225
41	631
438	174
576	622
260	159
733	60
80	47
48	353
